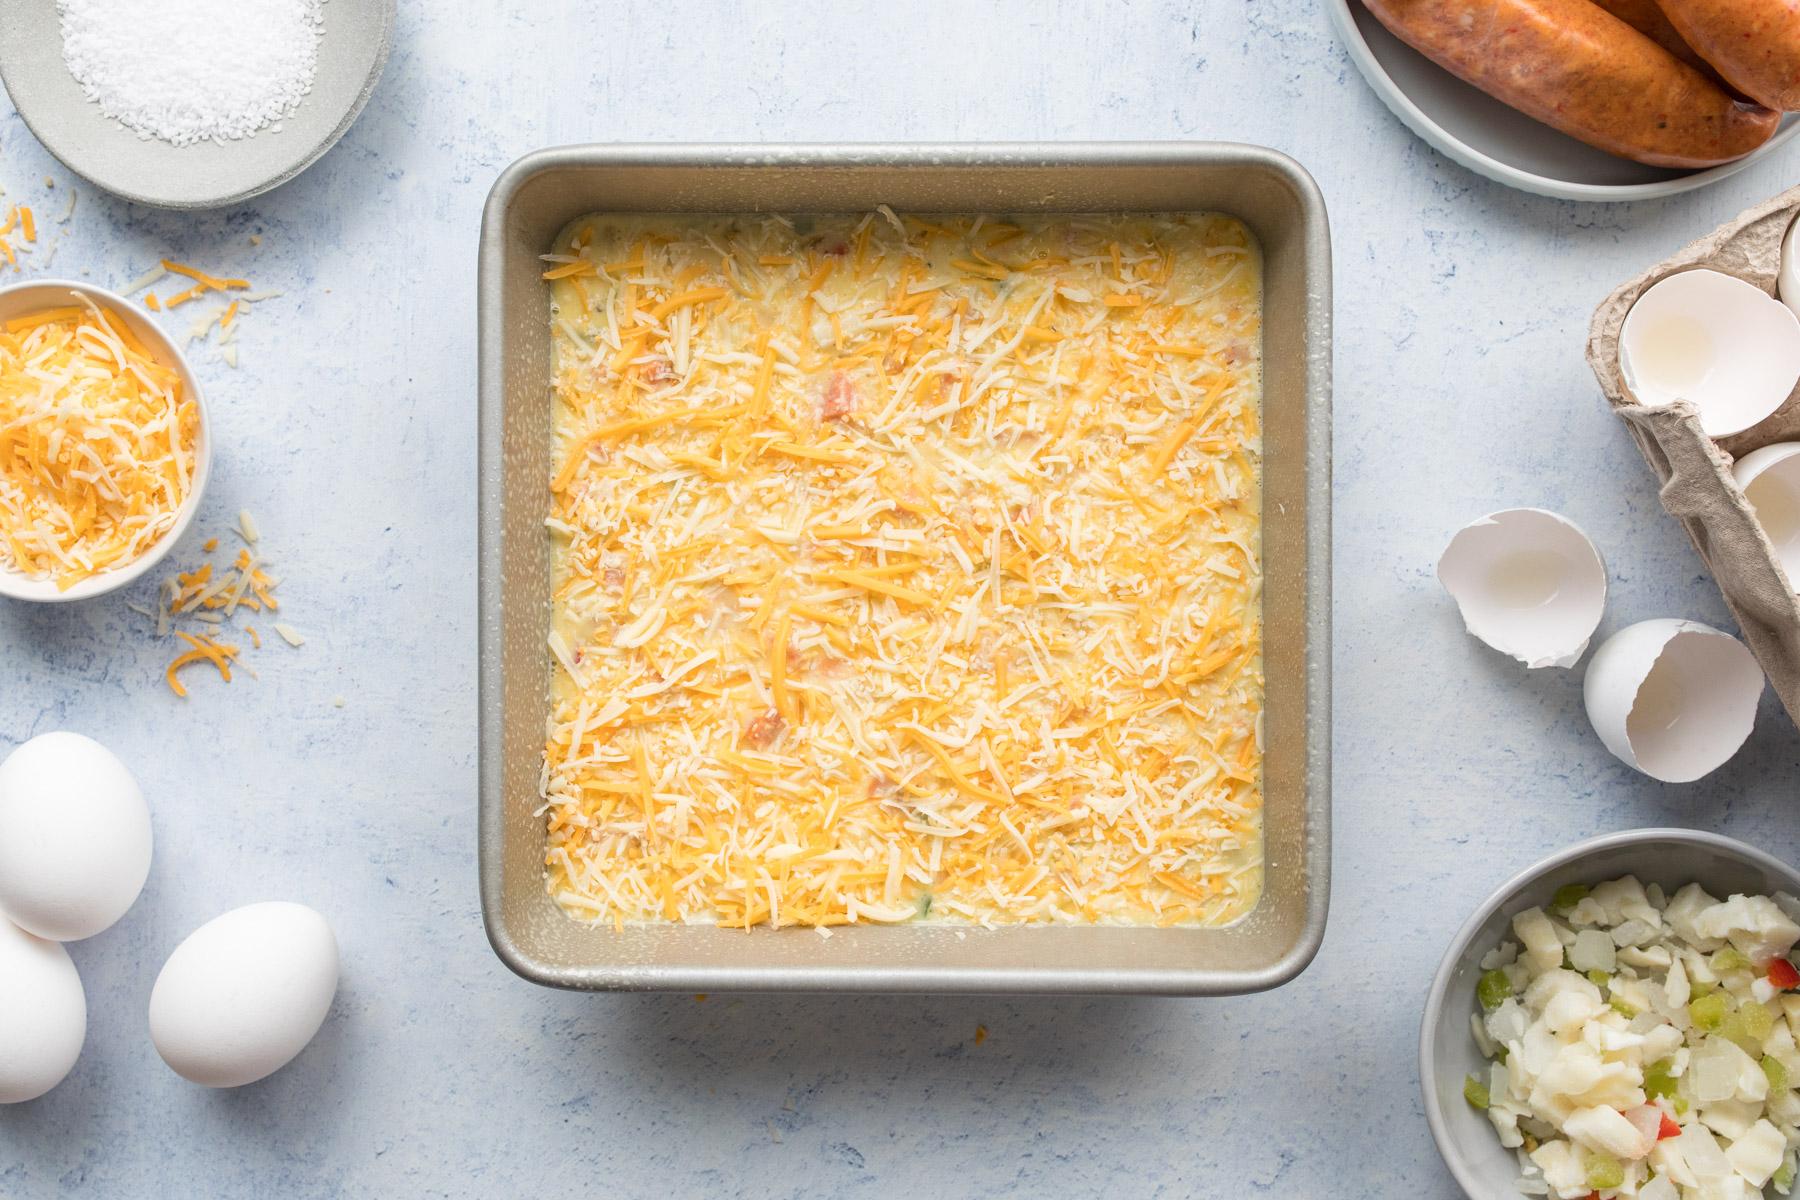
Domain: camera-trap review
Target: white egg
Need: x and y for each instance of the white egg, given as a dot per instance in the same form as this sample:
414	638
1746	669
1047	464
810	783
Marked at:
244	993
1674	699
43	1015
1529	583
1770	479
74	837
1713	339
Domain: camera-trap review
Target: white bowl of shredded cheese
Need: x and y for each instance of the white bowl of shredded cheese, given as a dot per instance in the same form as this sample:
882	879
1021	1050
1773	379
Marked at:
92	519
1584	979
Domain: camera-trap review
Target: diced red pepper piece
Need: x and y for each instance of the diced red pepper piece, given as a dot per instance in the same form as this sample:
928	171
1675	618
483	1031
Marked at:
1667	1129
840	397
764	729
1783	975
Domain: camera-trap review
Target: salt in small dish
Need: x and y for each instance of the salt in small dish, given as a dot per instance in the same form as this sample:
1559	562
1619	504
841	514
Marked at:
1673	699
1529	583
22	299
1770	480
1724	345
351	53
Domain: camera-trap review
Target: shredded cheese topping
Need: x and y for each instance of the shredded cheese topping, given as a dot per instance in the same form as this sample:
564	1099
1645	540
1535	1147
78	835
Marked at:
906	568
97	443
211	600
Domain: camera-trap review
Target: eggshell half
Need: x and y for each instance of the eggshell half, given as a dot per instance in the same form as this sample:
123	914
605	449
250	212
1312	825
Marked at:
1711	338
1529	583
1674	699
1788	282
43	1015
244	993
1770	479
74	837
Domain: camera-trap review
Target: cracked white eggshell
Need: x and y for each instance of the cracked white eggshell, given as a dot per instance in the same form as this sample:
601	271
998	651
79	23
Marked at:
1529	583
1770	479
1713	339
1673	699
244	994
1787	283
43	1014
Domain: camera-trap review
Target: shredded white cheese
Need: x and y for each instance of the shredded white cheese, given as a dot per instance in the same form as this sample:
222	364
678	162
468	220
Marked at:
906	569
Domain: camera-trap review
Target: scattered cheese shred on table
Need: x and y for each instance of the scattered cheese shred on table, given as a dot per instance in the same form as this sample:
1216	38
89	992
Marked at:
204	649
96	443
906	569
213	598
226	317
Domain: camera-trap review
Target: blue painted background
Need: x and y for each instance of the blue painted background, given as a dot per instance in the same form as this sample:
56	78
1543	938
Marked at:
349	432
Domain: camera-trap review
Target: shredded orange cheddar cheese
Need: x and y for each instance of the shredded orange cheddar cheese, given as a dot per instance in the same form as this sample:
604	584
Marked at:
97	444
906	570
203	649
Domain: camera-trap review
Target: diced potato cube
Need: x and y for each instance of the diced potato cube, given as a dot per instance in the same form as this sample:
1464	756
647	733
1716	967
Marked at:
1506	1124
1754	924
1757	1153
1605	1128
1730	1118
1683	908
1593	950
1562	1166
1538	935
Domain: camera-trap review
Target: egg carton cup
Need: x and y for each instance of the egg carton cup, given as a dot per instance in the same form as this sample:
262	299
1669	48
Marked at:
1697	486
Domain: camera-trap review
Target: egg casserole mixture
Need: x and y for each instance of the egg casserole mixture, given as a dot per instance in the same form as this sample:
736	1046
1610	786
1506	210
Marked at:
906	569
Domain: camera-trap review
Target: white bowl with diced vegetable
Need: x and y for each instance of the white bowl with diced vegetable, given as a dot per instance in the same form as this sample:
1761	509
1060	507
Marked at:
1623	1014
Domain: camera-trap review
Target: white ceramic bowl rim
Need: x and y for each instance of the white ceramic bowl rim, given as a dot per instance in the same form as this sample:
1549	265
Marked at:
15	585
1507	893
1419	122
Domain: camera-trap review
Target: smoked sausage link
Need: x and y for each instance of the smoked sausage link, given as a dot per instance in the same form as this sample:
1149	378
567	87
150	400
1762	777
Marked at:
1580	69
1754	44
1649	20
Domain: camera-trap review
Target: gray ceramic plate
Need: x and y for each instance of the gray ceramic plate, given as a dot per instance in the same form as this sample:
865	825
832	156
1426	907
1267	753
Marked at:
1484	135
1447	1053
351	54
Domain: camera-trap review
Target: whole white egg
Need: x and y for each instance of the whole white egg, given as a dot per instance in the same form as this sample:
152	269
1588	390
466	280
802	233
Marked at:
43	1015
74	837
244	993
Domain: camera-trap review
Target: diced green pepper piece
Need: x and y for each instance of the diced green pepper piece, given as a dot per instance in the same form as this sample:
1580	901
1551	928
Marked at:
1604	1171
1700	987
1759	1022
1599	979
1783	1179
1776	1072
1623	1009
1736	1028
1708	1012
1493	989
1730	958
1567	897
1659	1079
1475	1092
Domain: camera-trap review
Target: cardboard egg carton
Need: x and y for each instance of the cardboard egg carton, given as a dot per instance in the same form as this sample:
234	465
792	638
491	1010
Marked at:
1697	486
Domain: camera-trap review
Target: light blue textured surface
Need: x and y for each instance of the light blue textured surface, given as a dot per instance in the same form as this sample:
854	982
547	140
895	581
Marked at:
349	432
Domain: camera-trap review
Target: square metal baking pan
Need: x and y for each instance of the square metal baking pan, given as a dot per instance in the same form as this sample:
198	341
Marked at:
538	195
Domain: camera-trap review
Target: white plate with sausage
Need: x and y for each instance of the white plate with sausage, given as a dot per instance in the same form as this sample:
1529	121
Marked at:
1492	139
